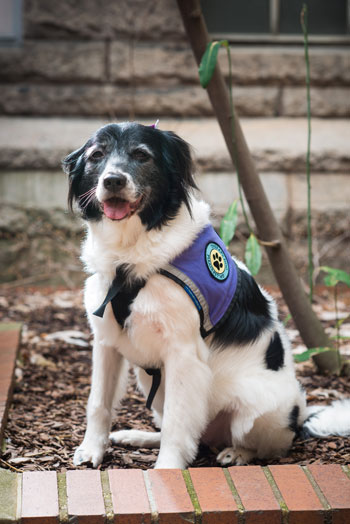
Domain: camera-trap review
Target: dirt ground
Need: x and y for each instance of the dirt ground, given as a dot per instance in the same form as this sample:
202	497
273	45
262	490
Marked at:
47	417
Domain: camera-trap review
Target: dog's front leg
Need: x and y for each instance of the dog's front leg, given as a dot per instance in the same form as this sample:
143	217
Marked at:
187	387
107	367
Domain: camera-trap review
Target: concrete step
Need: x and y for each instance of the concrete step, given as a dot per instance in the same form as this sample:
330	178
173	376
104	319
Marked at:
277	144
31	150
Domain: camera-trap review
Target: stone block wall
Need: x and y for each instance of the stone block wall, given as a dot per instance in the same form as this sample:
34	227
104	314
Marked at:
130	58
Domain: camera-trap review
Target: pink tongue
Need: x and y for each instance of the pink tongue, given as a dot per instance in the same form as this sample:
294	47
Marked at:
116	209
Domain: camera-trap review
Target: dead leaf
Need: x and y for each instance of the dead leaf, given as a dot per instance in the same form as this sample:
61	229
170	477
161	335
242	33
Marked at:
74	337
39	360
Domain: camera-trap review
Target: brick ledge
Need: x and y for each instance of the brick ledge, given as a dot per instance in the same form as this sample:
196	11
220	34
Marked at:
10	334
239	494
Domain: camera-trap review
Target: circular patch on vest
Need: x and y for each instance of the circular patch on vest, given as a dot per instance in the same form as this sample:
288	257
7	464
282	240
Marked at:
216	261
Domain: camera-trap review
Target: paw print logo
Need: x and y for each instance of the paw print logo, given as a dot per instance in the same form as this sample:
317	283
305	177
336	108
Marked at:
217	261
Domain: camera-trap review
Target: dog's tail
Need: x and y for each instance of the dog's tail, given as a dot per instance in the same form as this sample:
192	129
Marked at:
328	421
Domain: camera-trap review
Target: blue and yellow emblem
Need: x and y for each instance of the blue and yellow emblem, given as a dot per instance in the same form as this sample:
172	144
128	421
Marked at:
216	261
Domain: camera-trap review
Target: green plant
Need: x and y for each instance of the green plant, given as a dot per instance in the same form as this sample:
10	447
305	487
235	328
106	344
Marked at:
306	355
229	222
329	359
304	21
332	279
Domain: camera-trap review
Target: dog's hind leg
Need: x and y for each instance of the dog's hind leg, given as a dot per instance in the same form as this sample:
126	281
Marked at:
136	438
107	371
238	454
271	436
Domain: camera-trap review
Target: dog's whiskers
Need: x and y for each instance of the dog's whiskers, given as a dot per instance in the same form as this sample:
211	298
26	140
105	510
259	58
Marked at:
90	200
86	198
88	193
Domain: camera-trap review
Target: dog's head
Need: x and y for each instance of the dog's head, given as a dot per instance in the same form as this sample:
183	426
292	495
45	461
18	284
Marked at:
128	168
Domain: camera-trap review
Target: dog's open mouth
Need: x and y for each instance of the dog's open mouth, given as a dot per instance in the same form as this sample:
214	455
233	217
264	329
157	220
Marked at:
117	208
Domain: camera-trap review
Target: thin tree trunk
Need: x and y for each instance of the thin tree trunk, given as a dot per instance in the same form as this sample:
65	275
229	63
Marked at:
308	324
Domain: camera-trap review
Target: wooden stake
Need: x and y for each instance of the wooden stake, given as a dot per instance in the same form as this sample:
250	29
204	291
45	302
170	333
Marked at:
308	324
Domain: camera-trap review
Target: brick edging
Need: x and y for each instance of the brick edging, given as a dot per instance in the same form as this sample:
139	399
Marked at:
10	334
239	494
245	494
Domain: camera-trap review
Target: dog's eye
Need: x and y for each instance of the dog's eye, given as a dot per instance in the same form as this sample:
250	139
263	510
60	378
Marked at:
140	155
97	155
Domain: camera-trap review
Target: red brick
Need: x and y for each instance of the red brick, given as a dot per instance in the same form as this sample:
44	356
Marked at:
7	364
3	418
129	496
298	494
9	335
85	499
9	343
39	497
171	497
335	486
5	385
214	496
256	495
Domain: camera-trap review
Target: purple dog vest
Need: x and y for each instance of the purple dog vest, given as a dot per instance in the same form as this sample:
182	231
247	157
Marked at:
209	275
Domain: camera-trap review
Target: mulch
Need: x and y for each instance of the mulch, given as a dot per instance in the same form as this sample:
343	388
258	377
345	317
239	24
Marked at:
47	417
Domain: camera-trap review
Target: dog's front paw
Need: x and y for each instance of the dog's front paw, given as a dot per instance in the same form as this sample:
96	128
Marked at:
170	460
88	453
238	456
170	464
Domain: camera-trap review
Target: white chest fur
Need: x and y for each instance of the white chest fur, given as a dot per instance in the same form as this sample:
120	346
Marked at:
162	315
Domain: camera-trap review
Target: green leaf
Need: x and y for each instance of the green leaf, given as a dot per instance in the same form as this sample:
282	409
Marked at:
253	254
208	62
287	319
303	357
229	223
335	276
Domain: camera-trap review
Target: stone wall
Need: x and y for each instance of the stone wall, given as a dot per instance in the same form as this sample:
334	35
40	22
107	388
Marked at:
130	58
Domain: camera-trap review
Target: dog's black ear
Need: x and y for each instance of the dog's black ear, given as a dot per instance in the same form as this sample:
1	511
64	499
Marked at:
72	165
178	161
70	161
177	154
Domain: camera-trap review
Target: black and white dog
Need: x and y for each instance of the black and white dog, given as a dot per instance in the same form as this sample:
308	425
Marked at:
165	297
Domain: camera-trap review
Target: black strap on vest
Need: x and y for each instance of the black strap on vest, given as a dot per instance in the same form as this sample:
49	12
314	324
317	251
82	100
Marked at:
156	375
120	295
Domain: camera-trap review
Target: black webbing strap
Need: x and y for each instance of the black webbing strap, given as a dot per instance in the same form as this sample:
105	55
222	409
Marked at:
120	294
112	293
156	379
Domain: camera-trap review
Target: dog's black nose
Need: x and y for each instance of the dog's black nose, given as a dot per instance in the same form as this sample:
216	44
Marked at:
115	181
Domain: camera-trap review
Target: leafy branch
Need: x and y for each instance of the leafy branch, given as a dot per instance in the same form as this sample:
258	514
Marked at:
229	222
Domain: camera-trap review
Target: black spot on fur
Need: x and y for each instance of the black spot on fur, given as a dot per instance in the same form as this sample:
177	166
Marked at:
249	316
274	357
293	419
